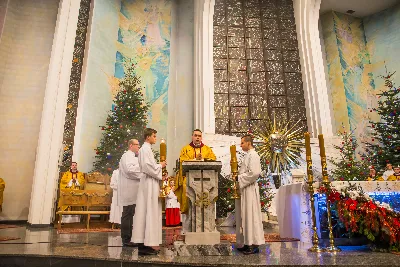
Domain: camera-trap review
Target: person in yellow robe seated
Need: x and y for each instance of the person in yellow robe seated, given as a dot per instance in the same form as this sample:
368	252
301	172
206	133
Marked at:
373	176
72	179
196	150
396	175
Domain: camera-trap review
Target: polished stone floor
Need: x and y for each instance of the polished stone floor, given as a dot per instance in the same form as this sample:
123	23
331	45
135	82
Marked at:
104	249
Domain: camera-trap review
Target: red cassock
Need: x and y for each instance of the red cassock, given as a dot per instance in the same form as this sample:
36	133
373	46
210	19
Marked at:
172	210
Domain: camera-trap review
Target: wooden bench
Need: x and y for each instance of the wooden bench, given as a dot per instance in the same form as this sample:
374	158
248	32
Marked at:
78	212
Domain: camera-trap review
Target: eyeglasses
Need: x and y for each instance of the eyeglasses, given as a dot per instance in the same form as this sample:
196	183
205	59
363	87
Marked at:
135	144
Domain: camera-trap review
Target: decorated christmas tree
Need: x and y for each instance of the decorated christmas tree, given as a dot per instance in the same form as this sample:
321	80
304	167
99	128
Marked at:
126	120
347	167
384	144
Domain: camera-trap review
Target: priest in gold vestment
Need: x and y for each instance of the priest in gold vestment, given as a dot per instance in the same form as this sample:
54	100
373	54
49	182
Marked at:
196	150
72	179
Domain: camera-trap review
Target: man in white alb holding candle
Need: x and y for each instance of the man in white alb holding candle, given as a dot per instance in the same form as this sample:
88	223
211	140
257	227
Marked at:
147	222
250	207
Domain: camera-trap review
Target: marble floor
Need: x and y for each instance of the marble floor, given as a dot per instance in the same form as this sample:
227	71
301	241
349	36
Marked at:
44	247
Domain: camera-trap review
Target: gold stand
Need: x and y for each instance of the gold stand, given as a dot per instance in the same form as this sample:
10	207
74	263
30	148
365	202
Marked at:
163	188
234	170
315	239
331	247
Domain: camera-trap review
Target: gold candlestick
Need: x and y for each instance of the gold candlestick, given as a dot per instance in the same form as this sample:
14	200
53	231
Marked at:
327	184
325	177
163	157
234	171
310	181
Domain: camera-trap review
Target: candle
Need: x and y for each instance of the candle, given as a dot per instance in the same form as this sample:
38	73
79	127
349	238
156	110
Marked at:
163	150
310	176
233	151
234	163
323	158
308	144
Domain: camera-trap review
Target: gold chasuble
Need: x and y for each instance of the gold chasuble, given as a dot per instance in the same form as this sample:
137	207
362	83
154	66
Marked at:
68	176
190	152
67	183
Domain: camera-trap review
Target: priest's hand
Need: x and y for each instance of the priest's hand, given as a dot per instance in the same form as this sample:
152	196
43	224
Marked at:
163	164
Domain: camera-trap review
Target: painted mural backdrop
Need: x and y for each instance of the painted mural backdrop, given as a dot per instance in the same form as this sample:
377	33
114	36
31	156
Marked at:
357	51
136	31
144	36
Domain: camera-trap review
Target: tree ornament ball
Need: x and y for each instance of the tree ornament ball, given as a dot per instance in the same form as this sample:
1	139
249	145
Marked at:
109	169
121	126
97	152
278	142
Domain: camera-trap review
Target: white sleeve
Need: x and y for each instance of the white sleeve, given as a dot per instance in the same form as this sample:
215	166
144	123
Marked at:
132	168
254	171
150	167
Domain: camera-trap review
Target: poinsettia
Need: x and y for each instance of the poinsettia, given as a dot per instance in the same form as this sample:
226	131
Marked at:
359	213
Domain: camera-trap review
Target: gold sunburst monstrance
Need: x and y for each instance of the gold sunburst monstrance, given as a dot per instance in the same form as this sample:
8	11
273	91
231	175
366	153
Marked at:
279	144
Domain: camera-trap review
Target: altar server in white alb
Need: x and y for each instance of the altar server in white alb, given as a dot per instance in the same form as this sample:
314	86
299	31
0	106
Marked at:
250	207
147	222
115	211
128	185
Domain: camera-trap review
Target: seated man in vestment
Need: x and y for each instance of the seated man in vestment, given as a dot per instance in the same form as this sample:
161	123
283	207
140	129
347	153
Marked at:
396	175
196	150
72	179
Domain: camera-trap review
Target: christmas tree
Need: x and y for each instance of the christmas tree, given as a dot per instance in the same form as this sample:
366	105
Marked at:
384	144
347	168
126	121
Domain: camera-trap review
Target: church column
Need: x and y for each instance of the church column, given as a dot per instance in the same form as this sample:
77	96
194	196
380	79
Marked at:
203	66
45	177
319	115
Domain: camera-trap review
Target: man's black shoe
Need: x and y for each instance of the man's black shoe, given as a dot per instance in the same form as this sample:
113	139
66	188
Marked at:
144	250
244	248
251	250
130	244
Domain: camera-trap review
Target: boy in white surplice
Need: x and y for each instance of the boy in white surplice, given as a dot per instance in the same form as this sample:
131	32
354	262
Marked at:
249	205
172	207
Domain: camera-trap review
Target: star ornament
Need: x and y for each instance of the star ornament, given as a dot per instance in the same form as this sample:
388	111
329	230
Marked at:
279	143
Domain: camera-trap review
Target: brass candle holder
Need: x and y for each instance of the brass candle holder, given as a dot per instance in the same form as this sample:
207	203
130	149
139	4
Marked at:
310	181
234	171
163	157
327	185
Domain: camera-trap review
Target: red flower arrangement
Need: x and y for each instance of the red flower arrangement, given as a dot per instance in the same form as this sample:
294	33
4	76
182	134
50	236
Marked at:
360	214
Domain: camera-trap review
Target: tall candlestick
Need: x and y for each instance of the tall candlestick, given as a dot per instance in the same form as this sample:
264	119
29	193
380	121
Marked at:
234	170
323	158
310	177
234	163
163	157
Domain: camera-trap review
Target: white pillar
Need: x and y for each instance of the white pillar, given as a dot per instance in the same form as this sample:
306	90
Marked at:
319	115
204	117
53	116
